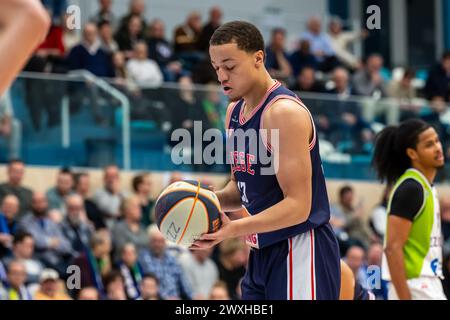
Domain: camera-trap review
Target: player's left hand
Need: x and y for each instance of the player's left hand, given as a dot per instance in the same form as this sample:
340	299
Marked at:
209	240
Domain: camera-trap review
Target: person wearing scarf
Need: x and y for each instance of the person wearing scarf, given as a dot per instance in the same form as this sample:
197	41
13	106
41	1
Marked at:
130	271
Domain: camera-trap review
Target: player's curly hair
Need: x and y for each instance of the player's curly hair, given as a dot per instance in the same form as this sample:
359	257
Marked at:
244	34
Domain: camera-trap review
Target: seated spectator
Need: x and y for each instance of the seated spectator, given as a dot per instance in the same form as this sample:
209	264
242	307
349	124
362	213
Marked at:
405	93
186	41
156	260
51	247
105	13
82	187
277	60
215	21
355	259
75	226
71	36
444	205
219	291
95	262
374	258
348	221
15	287
88	55
15	172
114	285
130	230
340	41
127	39
142	188
232	263
131	271
51	287
160	50
438	81
10	127
136	8
321	46
302	57
200	270
23	249
142	70
378	218
150	288
369	81
56	195
306	81
121	78
212	107
88	293
109	198
105	31
8	223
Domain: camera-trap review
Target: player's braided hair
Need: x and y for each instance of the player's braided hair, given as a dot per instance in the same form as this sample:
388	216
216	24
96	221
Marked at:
390	159
244	34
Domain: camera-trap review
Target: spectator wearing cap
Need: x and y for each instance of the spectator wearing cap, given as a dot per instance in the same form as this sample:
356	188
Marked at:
130	230
150	288
75	225
51	246
15	287
14	185
156	260
8	213
23	249
131	271
50	287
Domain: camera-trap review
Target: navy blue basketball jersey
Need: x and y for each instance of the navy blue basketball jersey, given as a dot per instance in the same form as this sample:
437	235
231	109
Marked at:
256	176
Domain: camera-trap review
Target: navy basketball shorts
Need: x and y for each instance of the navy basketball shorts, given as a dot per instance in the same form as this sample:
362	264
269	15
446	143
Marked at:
304	267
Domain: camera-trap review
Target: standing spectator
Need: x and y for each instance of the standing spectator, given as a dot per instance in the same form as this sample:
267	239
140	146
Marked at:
129	230
15	172
302	57
142	188
219	291
131	271
89	55
355	259
10	127
105	31
321	46
105	13
438	81
52	248
114	285
306	81
15	286
215	21
232	263
156	259
95	262
88	293
161	51
137	8
127	39
51	287
109	198
63	188
369	81
82	187
277	59
340	41
75	226
142	70
200	270
23	249
8	222
150	287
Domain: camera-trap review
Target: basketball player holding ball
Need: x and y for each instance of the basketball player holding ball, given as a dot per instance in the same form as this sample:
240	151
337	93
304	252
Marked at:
294	252
23	26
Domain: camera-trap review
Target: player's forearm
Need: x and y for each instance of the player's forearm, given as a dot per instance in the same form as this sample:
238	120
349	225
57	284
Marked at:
229	197
28	20
286	213
395	259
